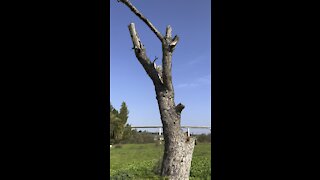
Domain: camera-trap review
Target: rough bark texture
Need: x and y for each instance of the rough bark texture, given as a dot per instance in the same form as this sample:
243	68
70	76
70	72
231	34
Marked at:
178	147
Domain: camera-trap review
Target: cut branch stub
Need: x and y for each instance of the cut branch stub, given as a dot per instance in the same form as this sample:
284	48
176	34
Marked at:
174	42
179	108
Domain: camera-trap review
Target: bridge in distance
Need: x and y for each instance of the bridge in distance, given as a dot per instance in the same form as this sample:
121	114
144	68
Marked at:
160	128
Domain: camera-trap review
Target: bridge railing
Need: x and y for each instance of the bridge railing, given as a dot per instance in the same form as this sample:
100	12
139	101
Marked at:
160	128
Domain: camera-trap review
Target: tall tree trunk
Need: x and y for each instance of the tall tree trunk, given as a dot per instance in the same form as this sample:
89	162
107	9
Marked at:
178	149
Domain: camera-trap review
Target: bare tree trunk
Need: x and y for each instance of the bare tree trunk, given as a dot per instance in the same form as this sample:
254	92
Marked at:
178	147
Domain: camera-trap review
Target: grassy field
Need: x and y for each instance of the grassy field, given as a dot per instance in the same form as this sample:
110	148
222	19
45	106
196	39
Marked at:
141	161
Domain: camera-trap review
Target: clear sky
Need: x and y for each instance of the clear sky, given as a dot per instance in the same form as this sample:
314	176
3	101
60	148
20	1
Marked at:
191	61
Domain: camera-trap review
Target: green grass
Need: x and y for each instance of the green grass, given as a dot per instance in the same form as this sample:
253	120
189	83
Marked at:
139	161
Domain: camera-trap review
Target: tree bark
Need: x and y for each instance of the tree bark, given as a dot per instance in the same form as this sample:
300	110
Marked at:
179	147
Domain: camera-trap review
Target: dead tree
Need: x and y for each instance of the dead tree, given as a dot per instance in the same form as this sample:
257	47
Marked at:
178	147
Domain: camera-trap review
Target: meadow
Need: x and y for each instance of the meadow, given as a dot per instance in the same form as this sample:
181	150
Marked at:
142	161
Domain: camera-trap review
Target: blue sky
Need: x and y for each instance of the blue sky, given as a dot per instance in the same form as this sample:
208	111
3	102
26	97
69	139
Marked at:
191	61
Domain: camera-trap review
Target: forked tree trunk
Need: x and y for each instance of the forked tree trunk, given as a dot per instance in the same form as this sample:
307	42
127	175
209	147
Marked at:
178	149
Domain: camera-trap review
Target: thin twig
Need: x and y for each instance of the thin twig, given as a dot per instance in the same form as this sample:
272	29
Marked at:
155	59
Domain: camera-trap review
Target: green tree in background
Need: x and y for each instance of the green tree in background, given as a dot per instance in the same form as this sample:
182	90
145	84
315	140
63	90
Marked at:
124	112
113	110
119	129
113	126
127	132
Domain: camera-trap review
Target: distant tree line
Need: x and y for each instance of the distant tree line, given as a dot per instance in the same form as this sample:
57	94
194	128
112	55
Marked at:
140	137
121	131
204	138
